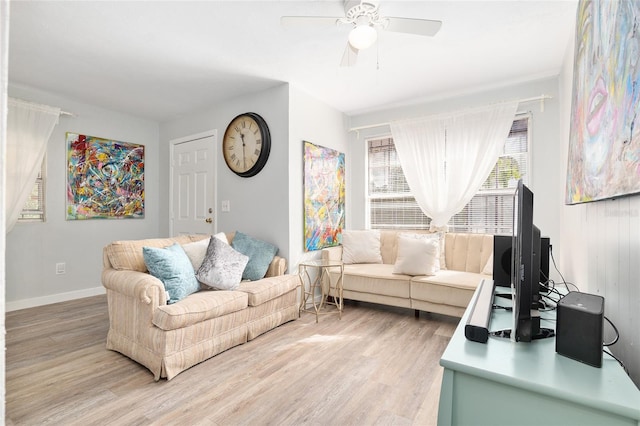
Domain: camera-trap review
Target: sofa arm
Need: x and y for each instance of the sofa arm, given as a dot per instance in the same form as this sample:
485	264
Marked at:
277	267
332	253
140	285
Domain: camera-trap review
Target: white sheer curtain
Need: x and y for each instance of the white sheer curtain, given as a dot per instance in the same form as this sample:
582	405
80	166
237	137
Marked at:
29	127
447	157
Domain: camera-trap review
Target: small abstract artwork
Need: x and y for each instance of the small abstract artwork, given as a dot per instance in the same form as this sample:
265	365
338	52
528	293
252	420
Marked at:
324	194
105	178
604	143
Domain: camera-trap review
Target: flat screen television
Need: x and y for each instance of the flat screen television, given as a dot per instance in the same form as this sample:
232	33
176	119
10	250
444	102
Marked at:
522	262
526	256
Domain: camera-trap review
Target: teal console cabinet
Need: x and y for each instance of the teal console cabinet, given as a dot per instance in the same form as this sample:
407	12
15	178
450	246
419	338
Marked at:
508	383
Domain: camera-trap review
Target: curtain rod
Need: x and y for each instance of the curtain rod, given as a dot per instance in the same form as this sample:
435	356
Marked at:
540	98
71	114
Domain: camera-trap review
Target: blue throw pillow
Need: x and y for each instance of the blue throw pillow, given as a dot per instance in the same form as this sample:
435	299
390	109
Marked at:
260	255
172	266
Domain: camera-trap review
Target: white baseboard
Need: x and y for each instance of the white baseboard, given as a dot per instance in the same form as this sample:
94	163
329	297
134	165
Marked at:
53	298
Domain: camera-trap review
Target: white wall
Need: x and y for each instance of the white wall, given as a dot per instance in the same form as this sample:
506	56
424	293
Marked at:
546	180
33	249
259	204
601	242
312	121
269	205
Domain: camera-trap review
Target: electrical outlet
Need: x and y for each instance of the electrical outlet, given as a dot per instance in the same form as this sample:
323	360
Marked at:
61	268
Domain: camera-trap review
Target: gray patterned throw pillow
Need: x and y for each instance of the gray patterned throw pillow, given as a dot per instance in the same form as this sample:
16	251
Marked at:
222	266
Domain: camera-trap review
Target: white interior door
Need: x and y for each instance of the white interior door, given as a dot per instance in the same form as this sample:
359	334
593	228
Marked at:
193	184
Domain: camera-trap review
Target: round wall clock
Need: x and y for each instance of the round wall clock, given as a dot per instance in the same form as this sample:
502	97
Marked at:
246	144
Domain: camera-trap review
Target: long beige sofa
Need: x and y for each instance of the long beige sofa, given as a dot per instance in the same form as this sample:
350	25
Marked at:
447	292
168	339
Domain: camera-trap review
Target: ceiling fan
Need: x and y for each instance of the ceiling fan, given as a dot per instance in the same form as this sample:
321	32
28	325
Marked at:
366	21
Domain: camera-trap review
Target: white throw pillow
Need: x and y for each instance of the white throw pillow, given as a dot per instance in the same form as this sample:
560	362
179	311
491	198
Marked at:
439	238
222	237
416	256
488	267
196	252
361	246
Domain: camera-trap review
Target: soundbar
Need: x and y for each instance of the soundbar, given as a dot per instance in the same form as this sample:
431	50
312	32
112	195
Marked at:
477	327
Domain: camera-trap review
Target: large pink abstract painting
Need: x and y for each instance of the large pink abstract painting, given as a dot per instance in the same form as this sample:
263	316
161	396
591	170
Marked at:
604	144
105	178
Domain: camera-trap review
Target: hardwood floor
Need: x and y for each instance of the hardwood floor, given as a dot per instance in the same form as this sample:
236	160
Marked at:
377	365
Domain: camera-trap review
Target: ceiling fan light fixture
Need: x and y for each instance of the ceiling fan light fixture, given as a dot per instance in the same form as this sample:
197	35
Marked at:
362	36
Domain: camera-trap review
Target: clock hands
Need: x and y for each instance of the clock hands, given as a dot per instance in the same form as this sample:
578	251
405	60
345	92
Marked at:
244	144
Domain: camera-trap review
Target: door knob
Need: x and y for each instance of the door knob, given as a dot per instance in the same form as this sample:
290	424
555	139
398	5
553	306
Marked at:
208	220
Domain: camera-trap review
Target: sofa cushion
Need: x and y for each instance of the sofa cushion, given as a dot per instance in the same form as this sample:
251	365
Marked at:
198	249
389	243
488	267
361	246
196	252
266	289
198	307
127	255
468	252
448	287
222	266
172	266
375	278
417	256
260	255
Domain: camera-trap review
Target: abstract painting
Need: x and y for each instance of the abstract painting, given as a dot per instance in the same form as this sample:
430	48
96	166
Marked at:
105	178
604	143
324	194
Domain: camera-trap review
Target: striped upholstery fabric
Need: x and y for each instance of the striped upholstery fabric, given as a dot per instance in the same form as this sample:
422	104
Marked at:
168	339
271	314
262	291
127	255
197	307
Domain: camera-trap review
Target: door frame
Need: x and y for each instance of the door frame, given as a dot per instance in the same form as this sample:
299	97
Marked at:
172	143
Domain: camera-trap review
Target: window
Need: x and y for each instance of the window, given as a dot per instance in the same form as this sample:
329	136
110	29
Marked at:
33	210
391	204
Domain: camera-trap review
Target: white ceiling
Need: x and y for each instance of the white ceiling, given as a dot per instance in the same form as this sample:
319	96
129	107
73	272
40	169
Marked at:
163	59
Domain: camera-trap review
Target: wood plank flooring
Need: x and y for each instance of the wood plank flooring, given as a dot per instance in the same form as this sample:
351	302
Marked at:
376	366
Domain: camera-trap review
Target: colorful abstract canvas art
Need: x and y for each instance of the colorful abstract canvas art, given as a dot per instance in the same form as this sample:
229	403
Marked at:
324	195
604	143
105	178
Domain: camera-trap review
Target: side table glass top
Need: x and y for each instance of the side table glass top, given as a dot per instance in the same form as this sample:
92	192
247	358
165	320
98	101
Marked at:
320	263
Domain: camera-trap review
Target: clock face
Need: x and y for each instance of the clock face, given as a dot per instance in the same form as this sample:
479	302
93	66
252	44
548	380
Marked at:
246	144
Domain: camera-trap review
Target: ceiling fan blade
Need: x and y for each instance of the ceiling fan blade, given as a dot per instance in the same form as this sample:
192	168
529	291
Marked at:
424	27
349	56
308	21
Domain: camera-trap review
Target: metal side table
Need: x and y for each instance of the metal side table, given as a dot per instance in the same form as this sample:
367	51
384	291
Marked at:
323	281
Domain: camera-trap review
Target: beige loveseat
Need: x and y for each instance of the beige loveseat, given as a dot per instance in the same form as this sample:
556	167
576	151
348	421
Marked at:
168	339
447	292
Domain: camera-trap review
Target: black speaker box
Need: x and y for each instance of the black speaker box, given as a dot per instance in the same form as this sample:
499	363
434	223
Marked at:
502	260
579	327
